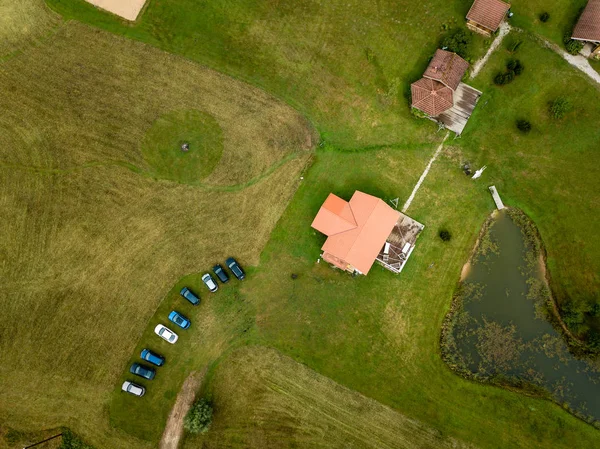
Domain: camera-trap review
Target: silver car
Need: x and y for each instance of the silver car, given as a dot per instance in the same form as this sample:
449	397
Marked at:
210	282
165	333
134	389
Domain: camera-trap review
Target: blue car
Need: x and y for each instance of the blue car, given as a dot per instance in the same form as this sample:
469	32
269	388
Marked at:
152	357
142	371
191	297
179	319
235	268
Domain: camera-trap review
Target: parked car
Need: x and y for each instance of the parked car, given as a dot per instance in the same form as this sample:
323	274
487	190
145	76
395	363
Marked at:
221	273
152	357
179	319
191	297
165	333
210	282
235	268
143	371
134	389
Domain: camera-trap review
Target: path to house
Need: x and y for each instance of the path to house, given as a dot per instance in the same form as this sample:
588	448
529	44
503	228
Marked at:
424	174
185	398
504	30
577	61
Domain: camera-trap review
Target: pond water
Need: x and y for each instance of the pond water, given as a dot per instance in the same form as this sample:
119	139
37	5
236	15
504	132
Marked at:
501	331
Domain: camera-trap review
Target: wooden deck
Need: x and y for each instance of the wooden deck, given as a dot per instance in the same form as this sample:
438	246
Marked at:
400	244
455	119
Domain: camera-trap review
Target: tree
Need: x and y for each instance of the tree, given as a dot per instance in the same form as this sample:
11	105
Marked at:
524	126
445	235
571	45
544	17
458	42
199	418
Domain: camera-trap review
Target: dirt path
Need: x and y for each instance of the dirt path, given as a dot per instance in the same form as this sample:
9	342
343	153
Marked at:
174	428
424	175
504	30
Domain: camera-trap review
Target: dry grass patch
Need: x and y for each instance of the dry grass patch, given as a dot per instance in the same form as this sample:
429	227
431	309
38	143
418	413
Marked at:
267	400
91	242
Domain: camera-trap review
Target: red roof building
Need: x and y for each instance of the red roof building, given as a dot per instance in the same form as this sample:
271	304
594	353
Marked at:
485	16
356	230
431	97
588	26
446	67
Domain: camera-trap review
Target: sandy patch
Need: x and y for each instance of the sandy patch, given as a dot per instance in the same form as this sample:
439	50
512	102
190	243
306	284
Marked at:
128	9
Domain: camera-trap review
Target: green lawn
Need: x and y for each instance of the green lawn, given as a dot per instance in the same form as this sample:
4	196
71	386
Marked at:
346	65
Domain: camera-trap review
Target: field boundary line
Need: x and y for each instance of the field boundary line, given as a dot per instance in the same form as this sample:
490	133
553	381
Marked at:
424	174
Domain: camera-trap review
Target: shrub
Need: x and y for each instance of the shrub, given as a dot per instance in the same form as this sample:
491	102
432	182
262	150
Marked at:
544	17
559	107
519	68
72	441
457	41
524	126
499	79
199	418
445	235
572	46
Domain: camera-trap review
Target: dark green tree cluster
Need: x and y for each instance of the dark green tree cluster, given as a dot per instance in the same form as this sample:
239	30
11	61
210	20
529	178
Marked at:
199	418
544	17
581	317
457	41
524	126
571	45
514	68
445	235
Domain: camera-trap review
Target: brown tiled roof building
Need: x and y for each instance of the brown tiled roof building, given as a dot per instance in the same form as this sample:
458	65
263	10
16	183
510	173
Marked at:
431	97
588	26
446	67
488	14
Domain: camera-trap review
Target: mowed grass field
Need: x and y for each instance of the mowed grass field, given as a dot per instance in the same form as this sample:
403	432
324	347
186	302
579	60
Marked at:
103	211
93	237
268	400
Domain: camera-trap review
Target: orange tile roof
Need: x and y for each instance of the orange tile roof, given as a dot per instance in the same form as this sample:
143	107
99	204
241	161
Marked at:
588	25
358	245
447	68
431	97
488	13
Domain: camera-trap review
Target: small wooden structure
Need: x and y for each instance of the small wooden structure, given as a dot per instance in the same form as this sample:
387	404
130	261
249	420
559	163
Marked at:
485	16
400	244
497	199
588	27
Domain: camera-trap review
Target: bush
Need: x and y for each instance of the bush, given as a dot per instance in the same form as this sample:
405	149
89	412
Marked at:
199	418
544	17
524	126
72	441
515	66
445	235
572	46
559	107
499	79
457	41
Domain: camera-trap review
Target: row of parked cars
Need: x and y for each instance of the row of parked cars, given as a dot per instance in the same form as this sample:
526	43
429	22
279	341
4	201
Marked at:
180	320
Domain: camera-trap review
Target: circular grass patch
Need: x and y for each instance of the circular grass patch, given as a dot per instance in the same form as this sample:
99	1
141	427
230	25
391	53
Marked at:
162	146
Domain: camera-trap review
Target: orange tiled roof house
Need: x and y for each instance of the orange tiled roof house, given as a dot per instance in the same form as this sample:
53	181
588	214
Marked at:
588	27
362	231
485	16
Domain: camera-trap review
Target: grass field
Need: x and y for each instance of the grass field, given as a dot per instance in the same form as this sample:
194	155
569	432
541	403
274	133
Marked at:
100	228
92	238
268	400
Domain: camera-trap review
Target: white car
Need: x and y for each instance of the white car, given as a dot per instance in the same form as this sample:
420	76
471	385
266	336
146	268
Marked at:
210	282
165	333
134	389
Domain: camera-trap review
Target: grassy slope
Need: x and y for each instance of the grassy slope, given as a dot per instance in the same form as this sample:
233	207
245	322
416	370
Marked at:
311	53
268	400
91	242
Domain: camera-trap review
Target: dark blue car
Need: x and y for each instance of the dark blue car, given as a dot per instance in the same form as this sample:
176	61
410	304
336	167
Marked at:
235	268
152	357
191	297
221	273
179	319
143	371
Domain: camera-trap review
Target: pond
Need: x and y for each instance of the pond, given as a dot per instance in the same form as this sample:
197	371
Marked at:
499	330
